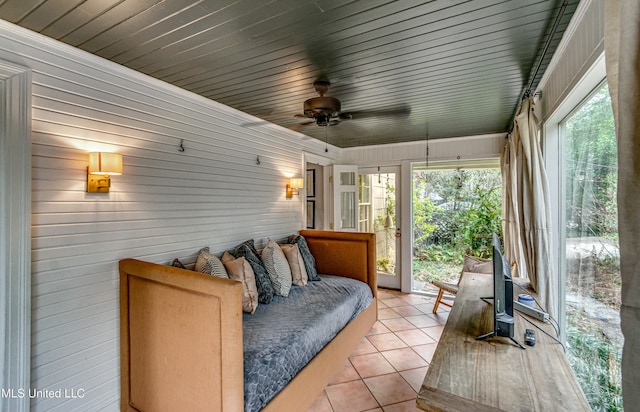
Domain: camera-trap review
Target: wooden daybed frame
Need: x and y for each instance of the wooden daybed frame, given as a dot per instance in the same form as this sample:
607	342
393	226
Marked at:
181	333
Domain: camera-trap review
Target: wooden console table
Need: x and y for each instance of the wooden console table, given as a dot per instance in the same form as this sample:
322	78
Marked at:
470	375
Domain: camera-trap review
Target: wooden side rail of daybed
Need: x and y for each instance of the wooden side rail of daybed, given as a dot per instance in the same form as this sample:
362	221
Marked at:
181	333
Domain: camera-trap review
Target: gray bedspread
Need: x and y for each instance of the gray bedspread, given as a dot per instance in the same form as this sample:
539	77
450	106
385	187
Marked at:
281	337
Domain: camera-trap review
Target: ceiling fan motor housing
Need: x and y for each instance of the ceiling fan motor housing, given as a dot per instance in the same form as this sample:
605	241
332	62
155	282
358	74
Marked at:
321	106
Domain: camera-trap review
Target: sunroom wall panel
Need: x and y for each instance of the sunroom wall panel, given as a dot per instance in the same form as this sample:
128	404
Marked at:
166	204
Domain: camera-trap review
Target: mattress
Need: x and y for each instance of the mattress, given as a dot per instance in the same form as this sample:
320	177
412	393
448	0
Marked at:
280	338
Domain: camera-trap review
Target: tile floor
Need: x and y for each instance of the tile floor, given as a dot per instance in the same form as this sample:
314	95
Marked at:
385	372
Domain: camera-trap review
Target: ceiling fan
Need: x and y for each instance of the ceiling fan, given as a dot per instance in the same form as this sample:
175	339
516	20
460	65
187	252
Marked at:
326	110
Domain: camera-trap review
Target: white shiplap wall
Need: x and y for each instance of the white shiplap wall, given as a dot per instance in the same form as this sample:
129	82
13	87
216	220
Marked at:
468	148
166	204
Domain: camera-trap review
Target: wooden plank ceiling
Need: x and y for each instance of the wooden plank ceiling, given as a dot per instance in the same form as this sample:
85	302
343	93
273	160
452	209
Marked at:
400	68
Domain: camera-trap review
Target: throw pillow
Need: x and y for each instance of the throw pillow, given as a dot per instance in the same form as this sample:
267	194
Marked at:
177	264
277	268
240	269
307	257
263	281
296	264
210	264
477	265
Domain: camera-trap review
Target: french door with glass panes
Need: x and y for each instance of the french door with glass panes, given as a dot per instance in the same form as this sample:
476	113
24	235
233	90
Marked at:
345	199
378	212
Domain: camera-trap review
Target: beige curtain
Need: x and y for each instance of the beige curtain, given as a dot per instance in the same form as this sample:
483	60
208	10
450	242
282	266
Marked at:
526	210
622	53
510	209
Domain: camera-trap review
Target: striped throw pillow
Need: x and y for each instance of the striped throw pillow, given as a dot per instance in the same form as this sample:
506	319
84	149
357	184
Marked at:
210	264
277	267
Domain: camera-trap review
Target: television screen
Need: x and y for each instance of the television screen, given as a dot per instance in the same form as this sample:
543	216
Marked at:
503	322
498	277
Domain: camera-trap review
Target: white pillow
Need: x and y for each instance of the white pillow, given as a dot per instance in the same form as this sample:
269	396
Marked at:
277	267
296	264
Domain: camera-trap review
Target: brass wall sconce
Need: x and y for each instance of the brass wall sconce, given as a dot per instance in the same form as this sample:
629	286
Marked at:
101	166
294	186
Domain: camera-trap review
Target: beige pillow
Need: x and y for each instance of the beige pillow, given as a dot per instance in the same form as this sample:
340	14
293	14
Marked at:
477	265
240	269
277	268
296	264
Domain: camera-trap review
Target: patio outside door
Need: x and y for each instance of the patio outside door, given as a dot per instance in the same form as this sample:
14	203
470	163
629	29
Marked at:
378	212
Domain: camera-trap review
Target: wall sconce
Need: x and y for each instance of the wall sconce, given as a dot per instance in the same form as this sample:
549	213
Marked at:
101	166
294	186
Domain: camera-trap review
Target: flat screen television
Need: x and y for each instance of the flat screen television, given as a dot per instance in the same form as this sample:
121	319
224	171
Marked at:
503	323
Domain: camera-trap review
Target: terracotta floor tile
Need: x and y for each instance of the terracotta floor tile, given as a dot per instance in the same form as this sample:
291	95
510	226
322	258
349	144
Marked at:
422	321
393	302
403	359
351	397
441	316
346	374
434	331
414	337
397	324
390	389
372	364
412	299
404	336
321	404
408	406
426	351
386	341
425	308
364	347
415	377
406	310
387	313
386	294
378	328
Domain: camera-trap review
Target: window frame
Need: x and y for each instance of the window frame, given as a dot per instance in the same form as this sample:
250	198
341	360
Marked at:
553	149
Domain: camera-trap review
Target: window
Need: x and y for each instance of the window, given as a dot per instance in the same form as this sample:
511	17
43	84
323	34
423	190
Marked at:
592	263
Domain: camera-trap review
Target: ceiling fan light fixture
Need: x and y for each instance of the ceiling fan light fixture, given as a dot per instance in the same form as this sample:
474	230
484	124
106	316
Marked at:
321	106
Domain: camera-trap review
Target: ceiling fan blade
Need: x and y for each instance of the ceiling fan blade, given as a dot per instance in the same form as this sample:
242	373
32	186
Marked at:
256	123
398	111
300	127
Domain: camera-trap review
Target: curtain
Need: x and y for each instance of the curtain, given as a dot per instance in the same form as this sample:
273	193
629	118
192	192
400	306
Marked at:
526	210
510	209
622	54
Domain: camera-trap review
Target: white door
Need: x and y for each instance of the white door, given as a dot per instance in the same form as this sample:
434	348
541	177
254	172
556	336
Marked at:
345	198
379	212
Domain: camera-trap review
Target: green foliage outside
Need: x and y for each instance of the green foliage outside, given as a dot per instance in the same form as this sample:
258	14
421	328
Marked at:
596	362
455	212
592	164
594	349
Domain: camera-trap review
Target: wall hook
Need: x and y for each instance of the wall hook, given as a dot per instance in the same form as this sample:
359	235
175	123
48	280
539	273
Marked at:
181	147
257	160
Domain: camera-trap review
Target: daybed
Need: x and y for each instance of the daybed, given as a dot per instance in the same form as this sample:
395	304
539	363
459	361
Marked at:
182	332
